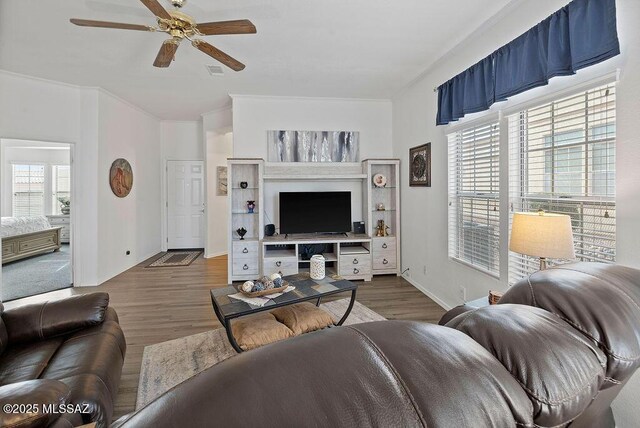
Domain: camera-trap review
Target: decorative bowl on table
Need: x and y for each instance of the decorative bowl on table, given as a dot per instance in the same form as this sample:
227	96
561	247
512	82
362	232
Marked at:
264	286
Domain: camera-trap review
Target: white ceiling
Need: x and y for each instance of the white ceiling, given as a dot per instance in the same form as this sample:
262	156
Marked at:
330	48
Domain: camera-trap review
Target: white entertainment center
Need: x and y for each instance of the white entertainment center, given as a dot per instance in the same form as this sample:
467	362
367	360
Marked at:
351	256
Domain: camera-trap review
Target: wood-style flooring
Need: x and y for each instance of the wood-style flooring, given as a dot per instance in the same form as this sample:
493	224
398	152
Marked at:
159	304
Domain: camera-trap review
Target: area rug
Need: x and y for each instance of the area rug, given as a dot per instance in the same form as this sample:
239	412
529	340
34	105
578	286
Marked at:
166	364
175	258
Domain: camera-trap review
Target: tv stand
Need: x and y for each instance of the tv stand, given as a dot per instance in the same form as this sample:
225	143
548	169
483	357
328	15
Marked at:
349	255
256	254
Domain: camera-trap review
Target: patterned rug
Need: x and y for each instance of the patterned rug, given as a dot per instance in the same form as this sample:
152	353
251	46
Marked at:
175	258
166	364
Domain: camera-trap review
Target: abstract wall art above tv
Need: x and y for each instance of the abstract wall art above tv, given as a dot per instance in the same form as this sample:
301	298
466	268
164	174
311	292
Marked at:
313	146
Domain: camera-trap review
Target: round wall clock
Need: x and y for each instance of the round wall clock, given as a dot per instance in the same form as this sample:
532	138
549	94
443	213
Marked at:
121	177
379	180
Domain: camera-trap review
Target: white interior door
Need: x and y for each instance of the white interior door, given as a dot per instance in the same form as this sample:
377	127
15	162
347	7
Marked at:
185	204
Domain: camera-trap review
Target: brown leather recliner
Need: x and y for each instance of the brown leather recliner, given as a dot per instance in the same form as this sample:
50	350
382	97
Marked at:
61	360
553	354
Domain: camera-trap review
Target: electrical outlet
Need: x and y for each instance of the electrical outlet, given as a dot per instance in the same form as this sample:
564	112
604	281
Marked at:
462	293
424	269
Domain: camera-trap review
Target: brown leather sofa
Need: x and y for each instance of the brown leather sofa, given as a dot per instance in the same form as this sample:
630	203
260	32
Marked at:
66	353
554	353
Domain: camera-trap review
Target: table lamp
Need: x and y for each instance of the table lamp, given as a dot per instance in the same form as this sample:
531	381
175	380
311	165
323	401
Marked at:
544	235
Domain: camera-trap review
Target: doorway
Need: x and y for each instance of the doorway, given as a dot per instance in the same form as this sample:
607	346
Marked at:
185	204
36	225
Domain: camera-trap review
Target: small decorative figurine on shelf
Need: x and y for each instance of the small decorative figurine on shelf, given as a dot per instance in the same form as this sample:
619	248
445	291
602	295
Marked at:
380	207
244	184
381	229
241	232
251	205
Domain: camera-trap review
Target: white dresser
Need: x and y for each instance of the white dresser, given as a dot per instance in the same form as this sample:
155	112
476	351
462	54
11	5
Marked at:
62	220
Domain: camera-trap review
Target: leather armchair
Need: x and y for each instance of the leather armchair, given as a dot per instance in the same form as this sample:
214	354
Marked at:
554	354
63	352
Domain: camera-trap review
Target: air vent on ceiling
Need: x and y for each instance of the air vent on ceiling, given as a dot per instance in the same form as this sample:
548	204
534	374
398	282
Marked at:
215	70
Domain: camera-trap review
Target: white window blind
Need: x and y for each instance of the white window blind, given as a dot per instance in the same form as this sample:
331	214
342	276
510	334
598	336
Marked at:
28	190
61	186
474	187
562	160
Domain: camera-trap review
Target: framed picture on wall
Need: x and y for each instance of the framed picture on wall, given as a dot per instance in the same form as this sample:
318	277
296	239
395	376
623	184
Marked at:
420	165
221	178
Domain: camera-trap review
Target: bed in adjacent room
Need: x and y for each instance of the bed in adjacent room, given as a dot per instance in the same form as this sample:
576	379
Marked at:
27	236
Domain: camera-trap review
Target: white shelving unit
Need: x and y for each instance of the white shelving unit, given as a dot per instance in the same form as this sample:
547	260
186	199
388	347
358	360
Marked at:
385	250
244	254
354	257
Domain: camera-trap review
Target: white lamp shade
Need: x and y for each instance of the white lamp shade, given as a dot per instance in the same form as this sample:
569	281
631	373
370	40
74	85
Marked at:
542	235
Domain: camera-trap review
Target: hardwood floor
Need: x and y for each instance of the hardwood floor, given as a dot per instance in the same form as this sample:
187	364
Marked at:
160	304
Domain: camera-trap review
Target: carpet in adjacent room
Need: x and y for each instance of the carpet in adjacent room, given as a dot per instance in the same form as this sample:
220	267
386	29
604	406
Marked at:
37	274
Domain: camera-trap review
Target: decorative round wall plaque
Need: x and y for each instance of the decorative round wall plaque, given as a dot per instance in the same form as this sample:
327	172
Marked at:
121	177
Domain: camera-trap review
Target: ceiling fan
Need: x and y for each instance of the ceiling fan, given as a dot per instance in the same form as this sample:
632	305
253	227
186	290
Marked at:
181	26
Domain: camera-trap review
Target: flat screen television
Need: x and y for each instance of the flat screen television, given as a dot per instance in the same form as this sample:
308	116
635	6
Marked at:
315	212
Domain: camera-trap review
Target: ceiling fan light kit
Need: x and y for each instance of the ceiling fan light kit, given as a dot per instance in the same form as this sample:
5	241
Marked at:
180	26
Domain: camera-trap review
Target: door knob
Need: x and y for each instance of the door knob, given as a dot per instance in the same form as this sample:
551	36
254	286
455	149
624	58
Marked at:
278	263
245	267
384	245
355	271
385	261
245	250
355	261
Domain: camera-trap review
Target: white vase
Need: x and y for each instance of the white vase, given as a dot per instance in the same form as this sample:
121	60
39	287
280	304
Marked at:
317	267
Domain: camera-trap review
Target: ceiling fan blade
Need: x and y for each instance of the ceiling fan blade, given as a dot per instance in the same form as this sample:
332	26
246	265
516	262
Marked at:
166	53
156	8
107	24
240	26
218	55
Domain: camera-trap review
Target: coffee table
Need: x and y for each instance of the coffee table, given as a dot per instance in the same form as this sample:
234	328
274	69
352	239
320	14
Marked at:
226	308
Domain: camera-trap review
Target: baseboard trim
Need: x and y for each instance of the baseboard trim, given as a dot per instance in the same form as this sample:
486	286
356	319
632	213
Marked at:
221	253
428	293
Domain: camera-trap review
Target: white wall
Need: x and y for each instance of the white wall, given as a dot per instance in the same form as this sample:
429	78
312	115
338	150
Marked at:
99	126
254	116
424	210
131	223
15	151
218	139
179	140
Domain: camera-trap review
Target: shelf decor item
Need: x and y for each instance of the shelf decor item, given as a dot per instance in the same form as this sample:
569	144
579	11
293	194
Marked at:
244	184
382	229
420	165
241	232
121	177
379	180
380	206
251	205
317	267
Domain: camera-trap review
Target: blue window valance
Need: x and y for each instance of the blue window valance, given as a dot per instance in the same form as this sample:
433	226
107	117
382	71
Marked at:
580	34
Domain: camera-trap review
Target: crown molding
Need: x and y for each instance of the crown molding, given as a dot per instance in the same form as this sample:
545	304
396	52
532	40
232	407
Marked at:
306	98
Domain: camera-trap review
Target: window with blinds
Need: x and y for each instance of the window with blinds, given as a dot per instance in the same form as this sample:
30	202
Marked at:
562	160
474	187
28	190
61	186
